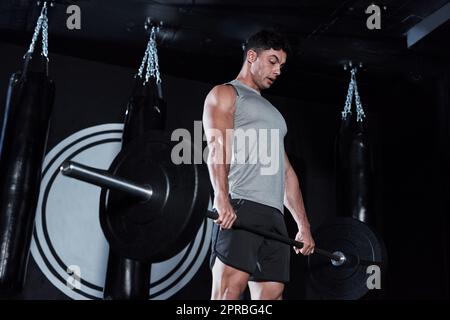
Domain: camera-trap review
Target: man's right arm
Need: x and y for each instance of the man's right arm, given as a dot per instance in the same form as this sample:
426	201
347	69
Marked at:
218	122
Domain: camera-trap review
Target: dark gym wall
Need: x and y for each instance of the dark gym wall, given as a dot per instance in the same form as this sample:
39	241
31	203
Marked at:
414	223
406	119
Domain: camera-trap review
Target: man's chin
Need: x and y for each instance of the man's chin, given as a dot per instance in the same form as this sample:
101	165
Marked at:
269	84
266	85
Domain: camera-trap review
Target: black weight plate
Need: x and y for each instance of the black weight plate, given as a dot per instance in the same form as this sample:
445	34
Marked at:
157	229
361	247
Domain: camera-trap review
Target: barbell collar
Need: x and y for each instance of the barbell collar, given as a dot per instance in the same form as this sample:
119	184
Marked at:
104	179
341	261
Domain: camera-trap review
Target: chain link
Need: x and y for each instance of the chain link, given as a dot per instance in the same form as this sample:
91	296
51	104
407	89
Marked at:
45	35
348	100
353	90
359	109
42	23
151	58
154	50
144	60
150	71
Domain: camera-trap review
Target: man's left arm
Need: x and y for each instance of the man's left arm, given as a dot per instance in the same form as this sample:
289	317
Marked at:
293	201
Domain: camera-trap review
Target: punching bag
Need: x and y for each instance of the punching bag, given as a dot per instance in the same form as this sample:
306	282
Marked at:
146	110
353	164
354	173
126	278
23	139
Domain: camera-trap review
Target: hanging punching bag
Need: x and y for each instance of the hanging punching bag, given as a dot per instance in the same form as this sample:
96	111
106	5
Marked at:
342	167
354	174
146	110
353	163
22	145
360	178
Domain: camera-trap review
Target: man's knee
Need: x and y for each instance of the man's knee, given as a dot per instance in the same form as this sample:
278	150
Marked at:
272	295
228	283
268	295
266	291
228	291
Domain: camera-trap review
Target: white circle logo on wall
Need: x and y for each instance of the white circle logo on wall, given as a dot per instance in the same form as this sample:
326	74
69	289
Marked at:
67	228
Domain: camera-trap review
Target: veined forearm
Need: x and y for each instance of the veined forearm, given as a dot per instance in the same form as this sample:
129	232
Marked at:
218	167
293	199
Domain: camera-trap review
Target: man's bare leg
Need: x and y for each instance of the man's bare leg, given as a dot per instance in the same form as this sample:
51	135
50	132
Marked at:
228	282
266	290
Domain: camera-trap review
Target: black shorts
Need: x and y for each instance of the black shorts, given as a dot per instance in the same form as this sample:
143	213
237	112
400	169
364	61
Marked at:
263	259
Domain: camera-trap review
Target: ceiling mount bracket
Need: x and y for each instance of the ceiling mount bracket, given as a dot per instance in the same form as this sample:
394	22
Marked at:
150	22
349	64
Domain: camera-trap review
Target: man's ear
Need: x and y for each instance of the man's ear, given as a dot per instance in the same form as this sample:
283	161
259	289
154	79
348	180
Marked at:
251	56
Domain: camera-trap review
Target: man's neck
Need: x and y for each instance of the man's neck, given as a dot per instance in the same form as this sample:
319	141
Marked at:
246	79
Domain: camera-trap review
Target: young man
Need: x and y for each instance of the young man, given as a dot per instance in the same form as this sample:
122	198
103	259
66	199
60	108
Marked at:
254	191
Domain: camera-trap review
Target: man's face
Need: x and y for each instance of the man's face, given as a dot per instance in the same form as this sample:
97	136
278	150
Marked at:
266	66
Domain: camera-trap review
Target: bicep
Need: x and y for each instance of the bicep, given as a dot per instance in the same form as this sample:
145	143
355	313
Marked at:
218	112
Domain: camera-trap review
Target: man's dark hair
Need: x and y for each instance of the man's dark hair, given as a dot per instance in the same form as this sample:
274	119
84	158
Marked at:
266	40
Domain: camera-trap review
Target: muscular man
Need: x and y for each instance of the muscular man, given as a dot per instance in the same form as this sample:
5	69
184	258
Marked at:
245	183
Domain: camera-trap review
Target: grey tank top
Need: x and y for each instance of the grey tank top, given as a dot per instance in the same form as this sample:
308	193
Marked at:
257	161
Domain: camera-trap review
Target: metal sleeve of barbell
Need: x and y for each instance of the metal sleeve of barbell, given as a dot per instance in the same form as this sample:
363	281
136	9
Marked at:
270	235
104	179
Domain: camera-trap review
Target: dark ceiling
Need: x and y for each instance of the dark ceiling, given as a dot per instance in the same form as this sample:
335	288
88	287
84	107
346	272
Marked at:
201	39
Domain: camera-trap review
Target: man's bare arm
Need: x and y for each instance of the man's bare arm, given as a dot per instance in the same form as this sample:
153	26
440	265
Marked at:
293	200
218	122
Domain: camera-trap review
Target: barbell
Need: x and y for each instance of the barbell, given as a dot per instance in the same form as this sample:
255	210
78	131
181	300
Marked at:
151	208
144	195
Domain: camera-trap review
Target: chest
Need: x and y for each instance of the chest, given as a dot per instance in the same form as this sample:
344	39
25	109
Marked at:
254	111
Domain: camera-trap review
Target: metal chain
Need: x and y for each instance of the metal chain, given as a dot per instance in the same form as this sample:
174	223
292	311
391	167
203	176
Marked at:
45	34
359	109
150	71
151	58
42	23
353	89
348	101
144	60
154	52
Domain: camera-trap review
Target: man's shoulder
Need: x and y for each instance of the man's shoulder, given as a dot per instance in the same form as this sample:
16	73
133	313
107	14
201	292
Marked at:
222	92
223	88
221	97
